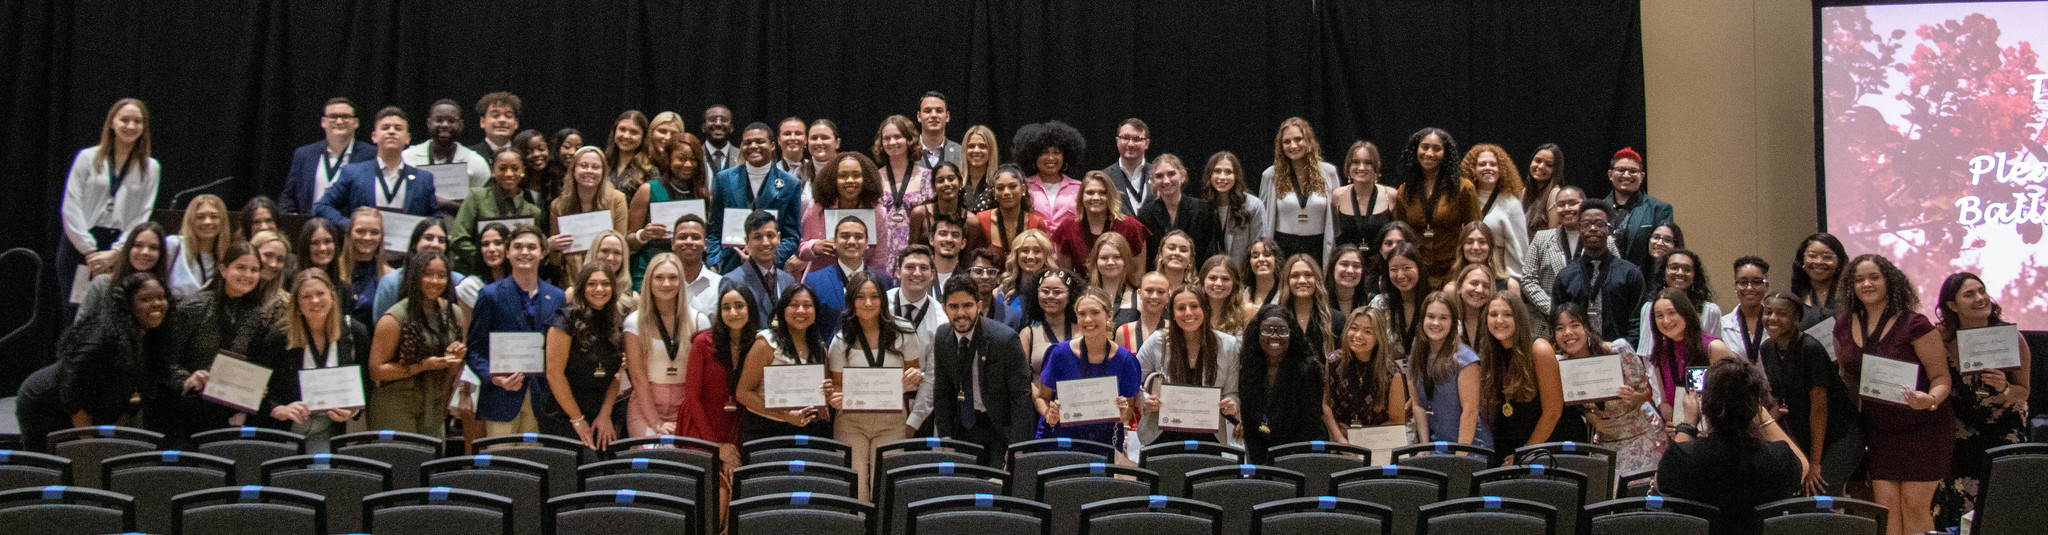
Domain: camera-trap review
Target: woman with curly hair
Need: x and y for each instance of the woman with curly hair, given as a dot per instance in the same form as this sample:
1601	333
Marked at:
1499	190
1296	190
1052	151
1433	199
1907	432
1010	213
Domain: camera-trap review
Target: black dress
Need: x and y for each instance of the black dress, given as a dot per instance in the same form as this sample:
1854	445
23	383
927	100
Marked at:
593	365
1357	229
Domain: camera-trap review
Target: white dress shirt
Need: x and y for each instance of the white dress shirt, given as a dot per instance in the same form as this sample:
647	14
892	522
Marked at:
90	200
479	167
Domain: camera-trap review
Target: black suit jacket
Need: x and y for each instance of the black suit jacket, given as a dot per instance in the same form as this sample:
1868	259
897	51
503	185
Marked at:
1005	381
1195	220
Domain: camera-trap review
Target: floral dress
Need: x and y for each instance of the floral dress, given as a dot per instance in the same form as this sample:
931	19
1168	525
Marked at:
1980	426
1634	432
895	206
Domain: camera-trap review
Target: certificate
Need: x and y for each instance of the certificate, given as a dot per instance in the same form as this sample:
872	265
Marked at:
518	353
398	230
451	180
509	223
1888	380
1086	401
332	388
1591	379
1989	348
81	282
583	227
735	232
1191	409
667	212
794	386
866	217
1825	333
872	390
235	382
1381	439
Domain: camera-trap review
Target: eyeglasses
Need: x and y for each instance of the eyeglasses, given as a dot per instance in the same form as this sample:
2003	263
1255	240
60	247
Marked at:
1660	238
1133	139
1273	332
1752	283
1821	257
1626	172
984	272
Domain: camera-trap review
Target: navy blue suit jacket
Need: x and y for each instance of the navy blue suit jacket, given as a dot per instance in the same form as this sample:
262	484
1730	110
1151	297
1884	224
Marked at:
358	185
831	292
503	307
780	191
765	296
297	197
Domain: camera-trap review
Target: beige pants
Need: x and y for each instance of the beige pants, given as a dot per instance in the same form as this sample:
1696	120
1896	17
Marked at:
523	423
863	431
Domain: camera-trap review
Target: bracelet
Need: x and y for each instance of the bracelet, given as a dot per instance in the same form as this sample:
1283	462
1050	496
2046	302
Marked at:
1688	429
578	421
1767	422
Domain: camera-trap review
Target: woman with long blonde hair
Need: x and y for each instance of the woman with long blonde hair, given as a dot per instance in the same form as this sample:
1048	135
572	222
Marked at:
202	239
657	349
1296	190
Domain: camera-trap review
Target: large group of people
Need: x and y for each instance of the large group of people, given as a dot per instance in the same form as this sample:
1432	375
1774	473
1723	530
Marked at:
1330	301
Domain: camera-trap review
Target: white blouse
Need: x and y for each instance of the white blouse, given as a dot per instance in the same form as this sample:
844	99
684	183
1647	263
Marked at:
1290	216
188	275
658	363
91	201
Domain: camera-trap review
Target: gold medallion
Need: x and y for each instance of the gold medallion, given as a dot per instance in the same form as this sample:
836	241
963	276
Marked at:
1507	411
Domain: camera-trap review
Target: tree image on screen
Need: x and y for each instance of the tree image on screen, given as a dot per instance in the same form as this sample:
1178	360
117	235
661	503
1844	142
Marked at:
1934	144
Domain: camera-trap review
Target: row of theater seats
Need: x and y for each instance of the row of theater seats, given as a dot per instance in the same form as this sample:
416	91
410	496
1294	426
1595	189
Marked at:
250	480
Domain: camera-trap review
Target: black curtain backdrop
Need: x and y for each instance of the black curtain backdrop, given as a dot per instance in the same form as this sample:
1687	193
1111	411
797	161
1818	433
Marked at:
233	86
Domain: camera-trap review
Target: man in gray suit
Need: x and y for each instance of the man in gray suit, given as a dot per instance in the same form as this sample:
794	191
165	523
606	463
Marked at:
1130	172
932	145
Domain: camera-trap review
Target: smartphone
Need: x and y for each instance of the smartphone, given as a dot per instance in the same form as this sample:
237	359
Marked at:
1696	377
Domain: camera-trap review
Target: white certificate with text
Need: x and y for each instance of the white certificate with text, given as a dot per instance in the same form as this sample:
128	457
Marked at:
872	390
583	227
1591	379
1189	408
451	180
1084	401
332	388
793	386
398	230
866	217
519	353
1989	348
1888	380
735	232
666	213
1381	439
236	383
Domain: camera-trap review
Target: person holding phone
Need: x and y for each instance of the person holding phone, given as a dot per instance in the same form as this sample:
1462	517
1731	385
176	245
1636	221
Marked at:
1744	461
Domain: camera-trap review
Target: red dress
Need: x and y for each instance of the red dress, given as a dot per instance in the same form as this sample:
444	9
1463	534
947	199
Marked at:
1073	241
702	411
1905	444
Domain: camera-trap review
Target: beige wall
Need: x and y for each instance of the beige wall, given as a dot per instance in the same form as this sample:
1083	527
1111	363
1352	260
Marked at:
1729	92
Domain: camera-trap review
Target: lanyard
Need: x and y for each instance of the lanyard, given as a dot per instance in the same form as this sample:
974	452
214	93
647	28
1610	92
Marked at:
1751	344
333	165
320	352
867	346
1489	201
896	184
390	189
115	176
918	318
668	341
1869	338
1300	194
